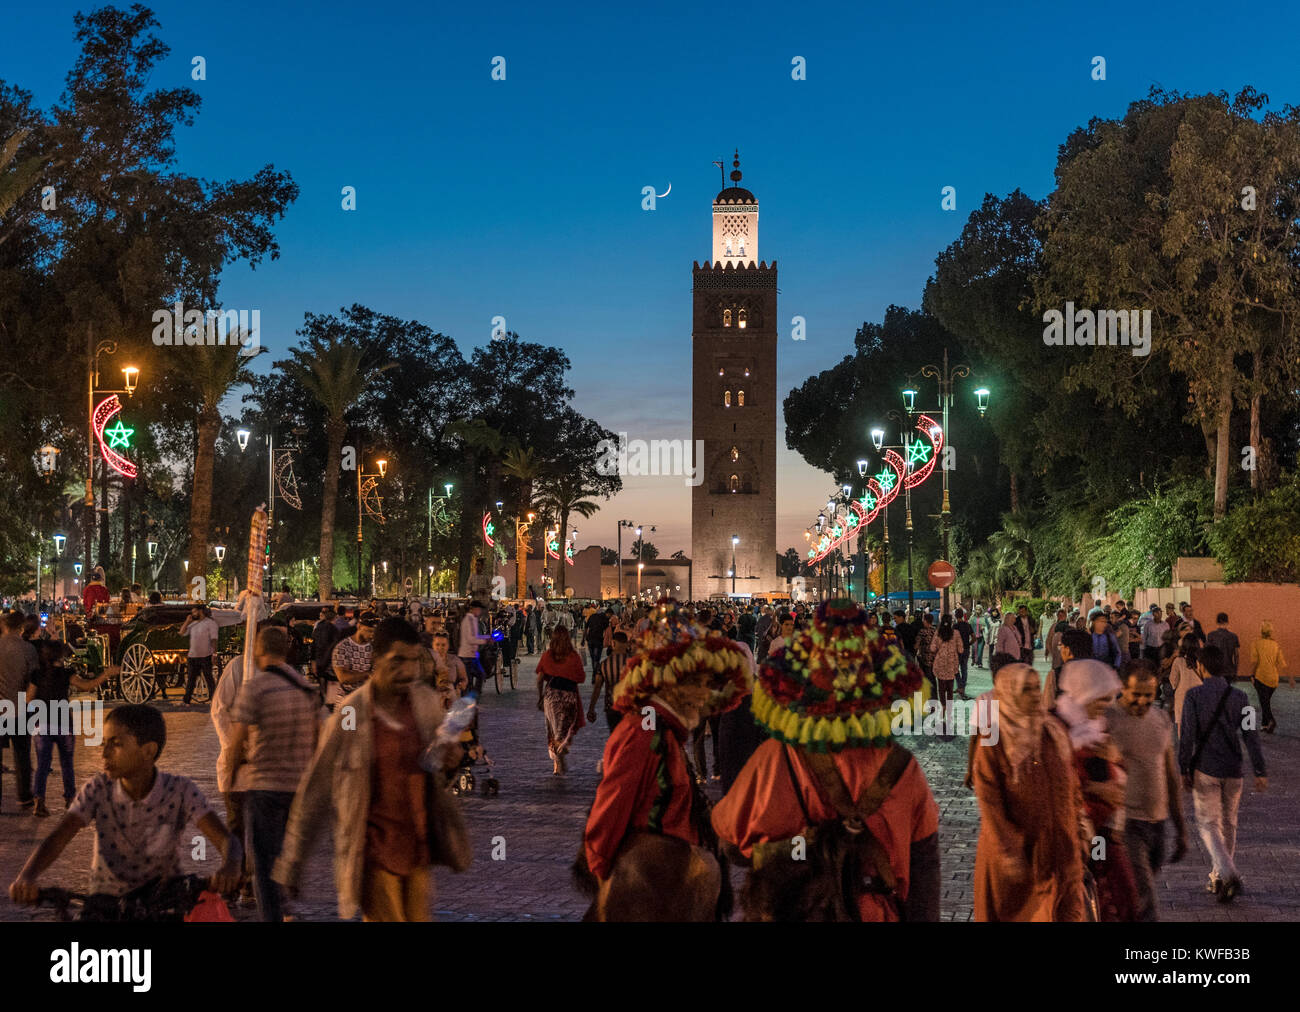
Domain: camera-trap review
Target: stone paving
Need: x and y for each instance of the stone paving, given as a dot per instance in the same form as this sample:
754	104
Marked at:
535	824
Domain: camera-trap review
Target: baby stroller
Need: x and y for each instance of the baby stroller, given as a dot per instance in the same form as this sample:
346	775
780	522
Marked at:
463	780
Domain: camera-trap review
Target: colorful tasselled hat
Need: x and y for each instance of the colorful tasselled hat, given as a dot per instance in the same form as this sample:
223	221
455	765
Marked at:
834	685
676	651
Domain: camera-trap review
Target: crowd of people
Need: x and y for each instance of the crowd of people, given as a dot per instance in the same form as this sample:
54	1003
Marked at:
1079	778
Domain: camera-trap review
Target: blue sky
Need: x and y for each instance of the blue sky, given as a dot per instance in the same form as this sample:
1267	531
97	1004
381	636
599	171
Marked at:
522	198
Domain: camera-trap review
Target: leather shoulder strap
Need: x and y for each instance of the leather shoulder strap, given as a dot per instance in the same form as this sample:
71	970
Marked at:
828	777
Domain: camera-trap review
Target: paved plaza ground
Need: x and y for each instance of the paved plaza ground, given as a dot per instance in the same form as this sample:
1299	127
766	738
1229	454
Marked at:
538	818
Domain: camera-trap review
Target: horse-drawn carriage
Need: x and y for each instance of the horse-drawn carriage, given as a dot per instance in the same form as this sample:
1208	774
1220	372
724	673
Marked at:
147	655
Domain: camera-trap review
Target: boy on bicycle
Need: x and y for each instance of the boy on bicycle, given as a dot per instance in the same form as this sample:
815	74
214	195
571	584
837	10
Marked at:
140	815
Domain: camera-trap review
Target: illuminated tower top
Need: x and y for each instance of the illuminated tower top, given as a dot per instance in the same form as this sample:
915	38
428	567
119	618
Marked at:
735	223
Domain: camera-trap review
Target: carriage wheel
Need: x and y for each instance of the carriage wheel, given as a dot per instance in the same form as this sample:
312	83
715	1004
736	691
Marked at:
138	678
496	675
514	672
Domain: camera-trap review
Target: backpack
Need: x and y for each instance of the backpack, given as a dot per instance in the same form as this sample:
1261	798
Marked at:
843	857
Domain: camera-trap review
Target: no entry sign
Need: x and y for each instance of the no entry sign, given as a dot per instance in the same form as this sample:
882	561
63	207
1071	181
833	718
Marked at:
941	574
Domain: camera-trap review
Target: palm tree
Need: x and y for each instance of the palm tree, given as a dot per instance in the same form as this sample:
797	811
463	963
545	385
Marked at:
487	445
336	372
564	493
213	371
522	463
979	577
1014	550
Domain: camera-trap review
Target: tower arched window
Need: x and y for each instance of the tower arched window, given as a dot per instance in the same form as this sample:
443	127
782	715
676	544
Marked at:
726	399
726	317
740	399
742	245
735	483
735	454
728	245
740	319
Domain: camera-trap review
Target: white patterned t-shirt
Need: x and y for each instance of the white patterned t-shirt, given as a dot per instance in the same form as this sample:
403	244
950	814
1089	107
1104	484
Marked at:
136	841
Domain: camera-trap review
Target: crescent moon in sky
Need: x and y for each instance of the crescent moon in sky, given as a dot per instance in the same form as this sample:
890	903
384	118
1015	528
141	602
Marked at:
660	196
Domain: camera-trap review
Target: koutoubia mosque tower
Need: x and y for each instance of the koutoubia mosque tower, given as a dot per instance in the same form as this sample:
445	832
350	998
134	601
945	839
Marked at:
733	403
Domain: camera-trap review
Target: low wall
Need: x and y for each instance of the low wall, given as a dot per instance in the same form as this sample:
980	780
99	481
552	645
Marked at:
1247	605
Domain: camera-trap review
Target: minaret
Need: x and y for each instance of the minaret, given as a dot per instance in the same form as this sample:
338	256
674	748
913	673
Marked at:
733	403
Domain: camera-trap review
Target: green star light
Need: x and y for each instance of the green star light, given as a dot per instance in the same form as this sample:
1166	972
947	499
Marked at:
918	453
119	435
886	479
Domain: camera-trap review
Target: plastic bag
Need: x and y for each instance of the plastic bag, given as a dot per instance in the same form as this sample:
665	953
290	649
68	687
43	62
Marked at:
459	717
210	907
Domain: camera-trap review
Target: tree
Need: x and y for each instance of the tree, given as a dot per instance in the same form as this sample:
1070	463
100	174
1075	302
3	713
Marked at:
124	235
571	475
643	550
1260	541
336	372
521	464
1148	211
214	372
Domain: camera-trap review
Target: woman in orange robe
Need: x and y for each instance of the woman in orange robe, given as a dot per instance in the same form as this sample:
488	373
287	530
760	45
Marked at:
1029	857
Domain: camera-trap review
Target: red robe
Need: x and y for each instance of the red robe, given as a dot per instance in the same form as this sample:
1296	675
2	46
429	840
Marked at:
95	594
646	786
762	806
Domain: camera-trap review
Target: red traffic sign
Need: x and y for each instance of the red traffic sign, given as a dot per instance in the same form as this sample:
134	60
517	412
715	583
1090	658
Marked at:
941	574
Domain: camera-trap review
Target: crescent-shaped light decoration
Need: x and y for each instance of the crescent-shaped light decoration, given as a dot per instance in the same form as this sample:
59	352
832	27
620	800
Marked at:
891	481
927	456
568	555
372	500
552	549
876	502
105	410
488	528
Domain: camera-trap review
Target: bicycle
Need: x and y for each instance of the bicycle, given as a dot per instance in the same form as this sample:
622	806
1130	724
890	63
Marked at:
167	900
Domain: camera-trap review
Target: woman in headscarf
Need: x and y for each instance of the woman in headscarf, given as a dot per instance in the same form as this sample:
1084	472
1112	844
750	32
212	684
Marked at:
1029	858
945	659
1088	687
1183	676
559	671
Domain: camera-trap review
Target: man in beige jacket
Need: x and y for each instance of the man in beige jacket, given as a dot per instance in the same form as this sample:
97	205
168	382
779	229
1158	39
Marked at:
384	840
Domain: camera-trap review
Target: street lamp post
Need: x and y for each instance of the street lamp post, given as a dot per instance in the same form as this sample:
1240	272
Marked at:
242	436
220	551
362	475
862	535
428	545
521	554
907	497
946	375
878	440
735	540
130	376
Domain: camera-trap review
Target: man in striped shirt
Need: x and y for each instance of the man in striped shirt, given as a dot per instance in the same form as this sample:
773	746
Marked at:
278	711
607	675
